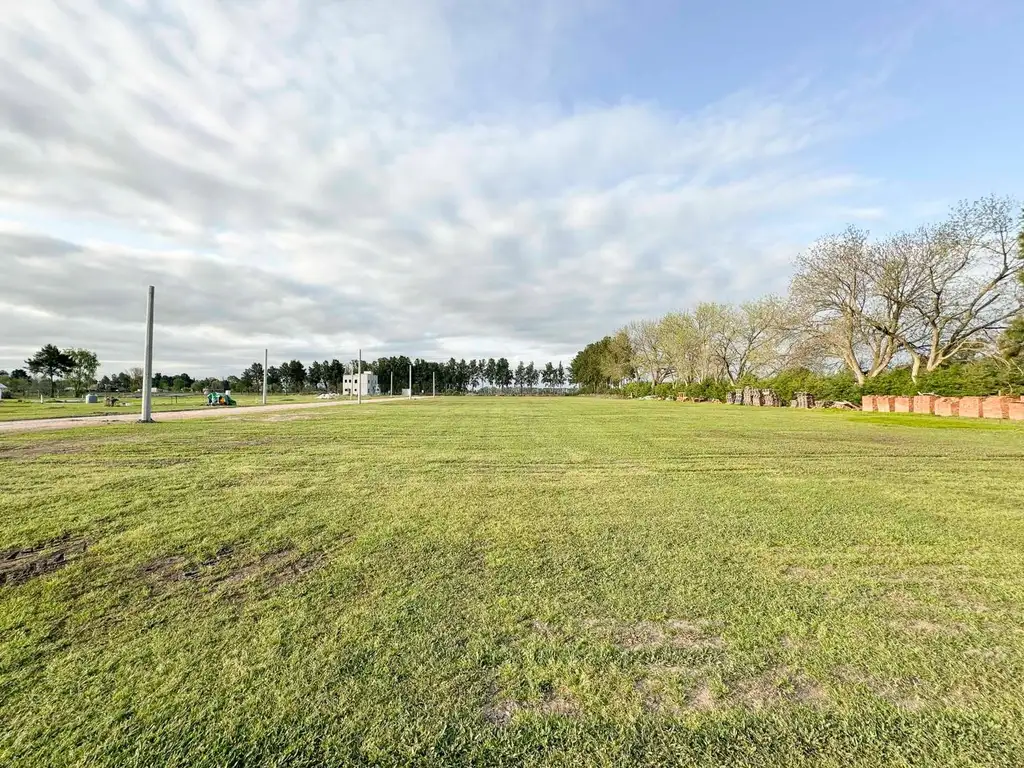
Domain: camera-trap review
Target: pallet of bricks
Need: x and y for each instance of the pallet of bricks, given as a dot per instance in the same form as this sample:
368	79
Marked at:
992	407
802	400
754	396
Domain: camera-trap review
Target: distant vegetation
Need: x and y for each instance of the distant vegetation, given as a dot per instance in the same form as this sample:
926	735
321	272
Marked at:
938	309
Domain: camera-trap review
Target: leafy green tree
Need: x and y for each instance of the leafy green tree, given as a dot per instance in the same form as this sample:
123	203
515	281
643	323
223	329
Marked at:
519	377
293	375
547	376
590	367
83	374
559	379
530	375
252	376
50	362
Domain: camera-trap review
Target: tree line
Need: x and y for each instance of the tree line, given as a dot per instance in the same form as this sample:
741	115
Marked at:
938	307
75	369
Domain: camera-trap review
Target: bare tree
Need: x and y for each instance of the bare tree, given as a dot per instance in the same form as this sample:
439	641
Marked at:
758	332
965	291
649	356
834	292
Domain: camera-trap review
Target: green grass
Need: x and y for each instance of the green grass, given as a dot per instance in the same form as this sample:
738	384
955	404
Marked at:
11	410
516	582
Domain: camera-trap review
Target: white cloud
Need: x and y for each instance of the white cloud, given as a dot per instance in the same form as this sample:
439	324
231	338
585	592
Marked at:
317	175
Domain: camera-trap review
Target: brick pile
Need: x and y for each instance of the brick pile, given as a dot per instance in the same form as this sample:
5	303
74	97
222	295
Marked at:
996	407
803	400
970	407
924	403
885	404
903	405
867	403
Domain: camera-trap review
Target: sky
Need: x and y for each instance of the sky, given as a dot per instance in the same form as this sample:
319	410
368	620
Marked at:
468	178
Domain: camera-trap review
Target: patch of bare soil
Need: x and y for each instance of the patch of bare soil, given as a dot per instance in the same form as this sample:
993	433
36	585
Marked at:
20	565
702	699
178	568
556	702
223	569
648	635
775	687
778	686
926	627
808	574
37	449
276	569
910	693
662	691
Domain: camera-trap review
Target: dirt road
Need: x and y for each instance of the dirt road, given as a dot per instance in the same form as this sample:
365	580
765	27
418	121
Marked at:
38	425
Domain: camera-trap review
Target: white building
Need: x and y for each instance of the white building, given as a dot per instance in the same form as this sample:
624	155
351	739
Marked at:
351	384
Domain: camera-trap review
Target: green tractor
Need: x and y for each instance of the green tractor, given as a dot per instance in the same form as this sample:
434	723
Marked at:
220	398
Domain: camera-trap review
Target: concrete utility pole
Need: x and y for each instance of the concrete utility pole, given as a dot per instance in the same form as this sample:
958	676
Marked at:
410	382
433	384
391	391
266	359
359	379
147	364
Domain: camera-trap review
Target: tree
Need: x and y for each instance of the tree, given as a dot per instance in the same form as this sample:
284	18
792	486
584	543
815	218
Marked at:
491	372
530	375
51	363
502	375
519	377
647	353
273	377
547	375
559	375
134	379
833	293
252	376
590	367
315	374
19	373
336	374
293	375
963	283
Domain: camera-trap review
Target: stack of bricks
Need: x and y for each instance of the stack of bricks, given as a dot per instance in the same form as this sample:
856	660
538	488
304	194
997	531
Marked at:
947	406
885	404
996	407
924	403
902	405
1017	410
769	398
803	400
970	407
867	403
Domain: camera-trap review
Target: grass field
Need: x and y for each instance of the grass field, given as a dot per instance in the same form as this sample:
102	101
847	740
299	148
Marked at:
514	582
12	410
